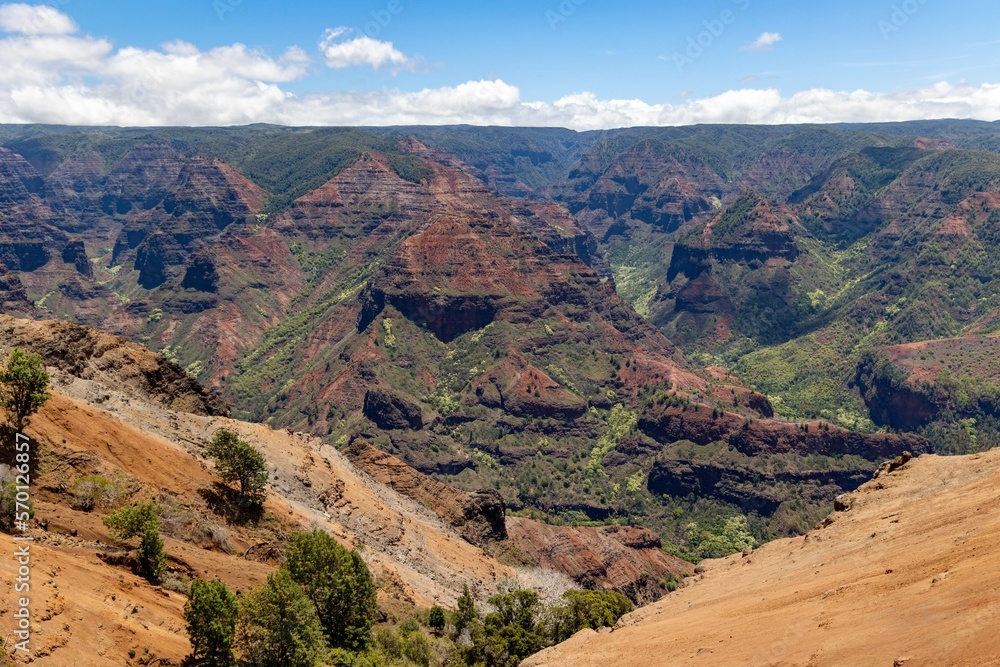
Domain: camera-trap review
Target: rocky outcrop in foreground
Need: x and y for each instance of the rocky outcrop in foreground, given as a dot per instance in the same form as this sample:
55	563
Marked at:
91	354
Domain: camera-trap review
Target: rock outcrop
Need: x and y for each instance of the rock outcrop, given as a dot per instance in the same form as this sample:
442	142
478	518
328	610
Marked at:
757	487
621	558
520	389
913	385
477	516
91	354
13	299
754	491
391	411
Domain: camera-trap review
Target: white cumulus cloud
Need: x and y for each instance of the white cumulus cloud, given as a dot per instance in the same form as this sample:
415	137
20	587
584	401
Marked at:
765	42
341	50
35	20
53	76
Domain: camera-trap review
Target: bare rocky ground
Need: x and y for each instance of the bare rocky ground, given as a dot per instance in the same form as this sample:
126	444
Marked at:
908	575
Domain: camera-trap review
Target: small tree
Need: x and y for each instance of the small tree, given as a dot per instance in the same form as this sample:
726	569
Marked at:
466	614
142	521
278	625
436	620
338	583
211	612
238	461
23	385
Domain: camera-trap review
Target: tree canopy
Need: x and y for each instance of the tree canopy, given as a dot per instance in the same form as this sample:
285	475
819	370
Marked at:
238	461
338	583
23	387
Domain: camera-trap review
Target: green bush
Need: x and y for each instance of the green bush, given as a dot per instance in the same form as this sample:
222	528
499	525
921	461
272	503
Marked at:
417	648
338	583
734	536
238	461
23	385
436	620
96	492
389	642
8	498
142	521
278	626
512	632
211	613
587	609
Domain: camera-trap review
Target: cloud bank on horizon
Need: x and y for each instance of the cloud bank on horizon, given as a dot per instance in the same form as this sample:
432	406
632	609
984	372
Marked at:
50	73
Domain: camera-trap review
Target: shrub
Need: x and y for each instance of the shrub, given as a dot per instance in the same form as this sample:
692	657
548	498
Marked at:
435	619
23	385
277	625
408	627
417	648
211	613
238	461
141	521
94	491
587	609
8	498
388	641
338	583
512	632
734	536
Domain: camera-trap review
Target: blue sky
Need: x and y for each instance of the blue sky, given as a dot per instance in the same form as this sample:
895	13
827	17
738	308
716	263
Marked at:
512	62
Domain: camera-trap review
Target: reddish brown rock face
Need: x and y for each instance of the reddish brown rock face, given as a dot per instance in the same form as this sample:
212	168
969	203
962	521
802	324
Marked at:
622	558
479	517
95	355
13	299
29	237
525	391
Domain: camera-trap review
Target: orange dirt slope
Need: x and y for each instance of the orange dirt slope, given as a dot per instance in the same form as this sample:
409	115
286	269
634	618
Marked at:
909	575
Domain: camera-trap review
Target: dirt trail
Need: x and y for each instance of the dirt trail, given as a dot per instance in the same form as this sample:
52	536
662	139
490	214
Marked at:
909	575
